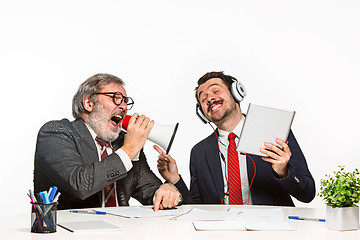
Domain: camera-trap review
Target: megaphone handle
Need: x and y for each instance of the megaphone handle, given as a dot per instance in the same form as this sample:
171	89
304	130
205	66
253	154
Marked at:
172	138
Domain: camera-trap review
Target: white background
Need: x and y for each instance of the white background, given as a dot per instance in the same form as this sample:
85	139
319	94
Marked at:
299	55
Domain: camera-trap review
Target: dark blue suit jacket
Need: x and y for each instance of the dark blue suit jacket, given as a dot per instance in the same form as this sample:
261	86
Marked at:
207	184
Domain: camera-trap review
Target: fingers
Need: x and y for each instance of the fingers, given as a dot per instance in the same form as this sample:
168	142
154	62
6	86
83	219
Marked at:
277	156
133	118
169	201
159	150
141	121
163	156
275	151
166	196
138	130
156	201
285	146
162	165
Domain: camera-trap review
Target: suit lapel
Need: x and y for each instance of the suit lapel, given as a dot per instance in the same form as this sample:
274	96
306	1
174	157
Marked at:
214	164
119	141
85	135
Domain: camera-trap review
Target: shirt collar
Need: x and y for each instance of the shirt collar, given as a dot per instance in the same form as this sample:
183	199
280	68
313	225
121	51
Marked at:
94	135
223	135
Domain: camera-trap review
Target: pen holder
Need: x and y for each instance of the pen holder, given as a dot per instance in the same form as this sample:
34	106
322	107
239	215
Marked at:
43	217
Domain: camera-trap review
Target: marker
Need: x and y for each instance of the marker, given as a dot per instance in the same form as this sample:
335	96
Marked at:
56	197
89	212
307	219
44	197
52	192
50	189
32	196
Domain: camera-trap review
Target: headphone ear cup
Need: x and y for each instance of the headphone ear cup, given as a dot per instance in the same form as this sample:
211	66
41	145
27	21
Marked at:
238	90
200	114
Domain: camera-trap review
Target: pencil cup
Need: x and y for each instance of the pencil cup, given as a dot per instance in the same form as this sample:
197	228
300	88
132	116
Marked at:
43	217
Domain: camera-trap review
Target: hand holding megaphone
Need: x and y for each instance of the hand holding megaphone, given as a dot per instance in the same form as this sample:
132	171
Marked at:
138	129
161	134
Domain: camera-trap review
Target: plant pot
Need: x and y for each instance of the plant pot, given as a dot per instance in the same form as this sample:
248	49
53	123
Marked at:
342	218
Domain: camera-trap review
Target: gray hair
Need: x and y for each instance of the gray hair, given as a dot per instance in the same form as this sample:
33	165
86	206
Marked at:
88	88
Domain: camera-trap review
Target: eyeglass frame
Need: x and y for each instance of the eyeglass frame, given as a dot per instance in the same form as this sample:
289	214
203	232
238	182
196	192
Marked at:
122	99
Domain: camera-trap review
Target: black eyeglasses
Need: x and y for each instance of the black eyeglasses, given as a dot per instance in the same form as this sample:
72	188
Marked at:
119	98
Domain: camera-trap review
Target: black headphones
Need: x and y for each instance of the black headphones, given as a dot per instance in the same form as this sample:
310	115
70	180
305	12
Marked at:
237	90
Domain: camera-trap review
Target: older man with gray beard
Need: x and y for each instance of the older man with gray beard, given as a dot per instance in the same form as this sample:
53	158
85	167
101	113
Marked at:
91	161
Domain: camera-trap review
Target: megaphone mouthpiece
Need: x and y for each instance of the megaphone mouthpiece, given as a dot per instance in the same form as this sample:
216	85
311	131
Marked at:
125	122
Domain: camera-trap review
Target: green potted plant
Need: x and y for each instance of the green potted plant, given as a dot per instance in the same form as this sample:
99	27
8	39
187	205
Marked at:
341	193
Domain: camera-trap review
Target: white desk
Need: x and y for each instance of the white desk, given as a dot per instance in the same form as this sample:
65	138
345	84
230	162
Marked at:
18	227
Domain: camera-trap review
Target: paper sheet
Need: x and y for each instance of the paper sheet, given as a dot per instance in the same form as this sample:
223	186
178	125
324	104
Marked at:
269	226
247	219
218	226
196	214
90	226
262	214
139	212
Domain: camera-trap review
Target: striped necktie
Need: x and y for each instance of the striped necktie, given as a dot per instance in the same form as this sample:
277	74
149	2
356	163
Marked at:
234	180
110	199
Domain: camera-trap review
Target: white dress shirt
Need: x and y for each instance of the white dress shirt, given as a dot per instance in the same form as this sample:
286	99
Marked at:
223	145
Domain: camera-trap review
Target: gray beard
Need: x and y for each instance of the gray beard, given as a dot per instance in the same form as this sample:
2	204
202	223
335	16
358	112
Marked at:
97	121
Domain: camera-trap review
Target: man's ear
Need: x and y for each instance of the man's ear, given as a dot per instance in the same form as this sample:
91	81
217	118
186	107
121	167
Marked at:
88	104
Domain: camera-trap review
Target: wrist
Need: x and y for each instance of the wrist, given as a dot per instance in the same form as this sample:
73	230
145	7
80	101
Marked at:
129	152
174	179
282	174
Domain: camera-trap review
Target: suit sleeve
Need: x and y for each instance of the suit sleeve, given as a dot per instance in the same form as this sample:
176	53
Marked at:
65	158
299	183
193	196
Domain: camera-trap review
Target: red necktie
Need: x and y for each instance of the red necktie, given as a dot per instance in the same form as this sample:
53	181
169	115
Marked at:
110	200
234	181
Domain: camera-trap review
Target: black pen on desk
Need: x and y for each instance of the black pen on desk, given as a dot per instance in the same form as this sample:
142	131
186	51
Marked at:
70	230
307	219
88	212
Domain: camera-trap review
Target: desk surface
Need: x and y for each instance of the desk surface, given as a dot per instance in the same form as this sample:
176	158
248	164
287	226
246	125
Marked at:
18	227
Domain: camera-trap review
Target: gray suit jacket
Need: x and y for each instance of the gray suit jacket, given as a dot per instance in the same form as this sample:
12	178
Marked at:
66	156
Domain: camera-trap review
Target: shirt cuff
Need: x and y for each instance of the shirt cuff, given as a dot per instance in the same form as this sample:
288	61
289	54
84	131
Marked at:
125	159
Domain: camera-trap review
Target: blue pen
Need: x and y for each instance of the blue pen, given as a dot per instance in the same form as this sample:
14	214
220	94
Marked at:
52	193
307	219
88	212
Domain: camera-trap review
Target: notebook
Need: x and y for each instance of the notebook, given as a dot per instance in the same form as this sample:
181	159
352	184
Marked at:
263	124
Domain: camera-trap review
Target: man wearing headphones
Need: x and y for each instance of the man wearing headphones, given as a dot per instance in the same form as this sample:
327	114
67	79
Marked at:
219	174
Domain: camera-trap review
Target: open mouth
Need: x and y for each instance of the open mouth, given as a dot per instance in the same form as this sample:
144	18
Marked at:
215	106
116	119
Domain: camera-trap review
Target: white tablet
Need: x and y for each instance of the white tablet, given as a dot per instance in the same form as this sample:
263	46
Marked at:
263	124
